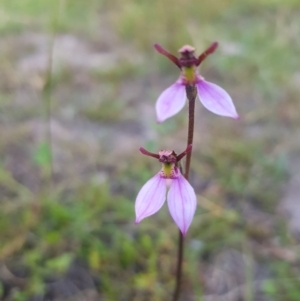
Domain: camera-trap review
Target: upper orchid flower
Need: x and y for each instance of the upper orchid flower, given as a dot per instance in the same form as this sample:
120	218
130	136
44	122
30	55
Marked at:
213	97
181	195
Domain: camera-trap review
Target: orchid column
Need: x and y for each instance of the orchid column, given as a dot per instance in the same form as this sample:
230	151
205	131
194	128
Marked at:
181	196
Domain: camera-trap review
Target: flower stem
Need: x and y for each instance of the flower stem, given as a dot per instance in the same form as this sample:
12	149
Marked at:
191	96
48	91
179	267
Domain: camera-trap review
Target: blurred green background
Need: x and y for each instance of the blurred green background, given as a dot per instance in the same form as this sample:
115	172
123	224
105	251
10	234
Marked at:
78	84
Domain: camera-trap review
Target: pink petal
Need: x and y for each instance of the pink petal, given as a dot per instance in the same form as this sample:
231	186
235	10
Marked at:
150	198
216	99
170	102
182	203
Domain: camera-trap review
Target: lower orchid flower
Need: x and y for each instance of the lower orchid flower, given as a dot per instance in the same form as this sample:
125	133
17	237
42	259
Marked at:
173	99
168	184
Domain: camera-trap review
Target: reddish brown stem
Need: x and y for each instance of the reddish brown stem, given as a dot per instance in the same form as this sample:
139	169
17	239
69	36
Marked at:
191	95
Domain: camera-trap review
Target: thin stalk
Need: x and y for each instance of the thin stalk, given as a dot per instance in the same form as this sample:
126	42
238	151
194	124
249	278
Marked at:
191	96
47	101
179	267
47	90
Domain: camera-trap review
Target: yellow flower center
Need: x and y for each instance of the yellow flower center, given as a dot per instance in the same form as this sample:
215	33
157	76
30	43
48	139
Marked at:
168	170
189	74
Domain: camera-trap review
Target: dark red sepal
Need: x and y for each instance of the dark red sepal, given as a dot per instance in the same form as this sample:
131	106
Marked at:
184	153
147	153
170	56
211	49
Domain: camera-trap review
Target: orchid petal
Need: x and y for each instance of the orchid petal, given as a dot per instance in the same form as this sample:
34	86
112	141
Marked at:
216	99
170	102
182	203
150	198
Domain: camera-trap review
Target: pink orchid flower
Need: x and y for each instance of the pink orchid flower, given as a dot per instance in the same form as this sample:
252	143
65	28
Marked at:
173	99
168	184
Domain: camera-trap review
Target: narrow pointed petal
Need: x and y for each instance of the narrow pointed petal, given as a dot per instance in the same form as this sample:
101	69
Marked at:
170	102
150	198
216	99
166	53
182	203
